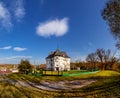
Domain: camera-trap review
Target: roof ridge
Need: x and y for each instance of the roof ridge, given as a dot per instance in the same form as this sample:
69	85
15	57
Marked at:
58	53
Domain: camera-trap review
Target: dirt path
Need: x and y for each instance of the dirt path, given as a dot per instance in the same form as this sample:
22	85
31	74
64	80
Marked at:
61	85
52	85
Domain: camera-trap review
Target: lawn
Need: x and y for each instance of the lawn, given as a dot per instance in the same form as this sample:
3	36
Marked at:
62	73
107	86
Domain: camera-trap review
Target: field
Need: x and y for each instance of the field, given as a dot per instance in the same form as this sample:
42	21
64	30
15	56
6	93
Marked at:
107	85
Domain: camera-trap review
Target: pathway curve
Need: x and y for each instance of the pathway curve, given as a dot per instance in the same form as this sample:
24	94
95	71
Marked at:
52	85
61	85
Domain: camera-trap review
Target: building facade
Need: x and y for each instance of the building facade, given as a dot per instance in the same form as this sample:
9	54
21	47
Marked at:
58	61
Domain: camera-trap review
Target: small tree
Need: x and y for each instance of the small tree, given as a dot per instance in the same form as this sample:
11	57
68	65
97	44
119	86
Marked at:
25	67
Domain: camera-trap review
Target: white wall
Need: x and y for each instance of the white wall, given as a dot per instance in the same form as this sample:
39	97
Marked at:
58	62
49	63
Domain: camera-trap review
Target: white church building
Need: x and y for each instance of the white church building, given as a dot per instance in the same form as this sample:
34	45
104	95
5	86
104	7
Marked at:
58	61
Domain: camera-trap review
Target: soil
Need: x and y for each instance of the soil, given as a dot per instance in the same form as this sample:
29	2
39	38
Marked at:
52	85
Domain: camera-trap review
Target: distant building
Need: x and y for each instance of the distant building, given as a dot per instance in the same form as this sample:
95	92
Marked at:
8	68
58	61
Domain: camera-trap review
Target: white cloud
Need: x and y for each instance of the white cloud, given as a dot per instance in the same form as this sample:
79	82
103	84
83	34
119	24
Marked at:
11	10
19	49
6	48
77	56
17	57
13	59
5	17
19	10
53	27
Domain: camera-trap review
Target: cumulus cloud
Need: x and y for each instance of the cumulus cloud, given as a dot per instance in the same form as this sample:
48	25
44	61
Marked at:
6	48
5	17
19	49
57	27
19	10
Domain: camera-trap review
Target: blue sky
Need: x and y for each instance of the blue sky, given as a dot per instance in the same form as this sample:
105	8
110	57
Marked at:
32	28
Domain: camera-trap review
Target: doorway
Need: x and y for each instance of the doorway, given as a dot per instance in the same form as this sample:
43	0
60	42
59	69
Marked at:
57	68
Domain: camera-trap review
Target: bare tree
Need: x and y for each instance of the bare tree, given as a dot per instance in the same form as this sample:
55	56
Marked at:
106	58
92	60
100	55
113	60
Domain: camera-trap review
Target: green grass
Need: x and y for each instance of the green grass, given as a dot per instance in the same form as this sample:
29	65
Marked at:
31	78
107	86
74	71
10	91
78	73
107	73
64	73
